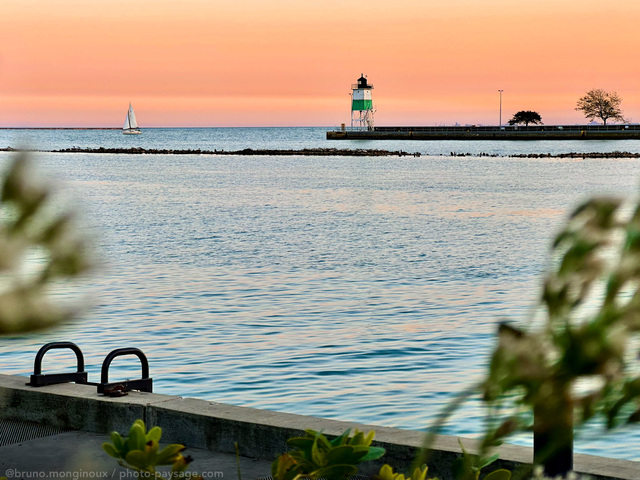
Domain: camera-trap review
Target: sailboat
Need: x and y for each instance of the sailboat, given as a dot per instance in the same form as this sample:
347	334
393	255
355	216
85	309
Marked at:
130	123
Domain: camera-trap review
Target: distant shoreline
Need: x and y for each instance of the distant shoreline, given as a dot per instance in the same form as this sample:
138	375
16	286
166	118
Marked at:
328	152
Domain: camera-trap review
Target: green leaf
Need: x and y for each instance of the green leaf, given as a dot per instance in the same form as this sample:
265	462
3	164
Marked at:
140	423
504	329
323	442
341	454
137	459
487	461
358	439
154	434
374	454
111	451
137	437
317	455
281	466
386	473
302	443
301	457
336	472
369	438
420	473
311	433
501	474
459	469
180	465
169	454
151	452
117	441
342	439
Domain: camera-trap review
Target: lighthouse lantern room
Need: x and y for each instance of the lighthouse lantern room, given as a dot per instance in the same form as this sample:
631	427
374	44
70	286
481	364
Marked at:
361	105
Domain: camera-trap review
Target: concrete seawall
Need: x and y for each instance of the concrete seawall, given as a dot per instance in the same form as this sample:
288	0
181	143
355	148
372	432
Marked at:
260	434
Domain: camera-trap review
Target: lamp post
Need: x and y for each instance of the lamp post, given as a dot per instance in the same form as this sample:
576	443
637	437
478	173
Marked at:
500	107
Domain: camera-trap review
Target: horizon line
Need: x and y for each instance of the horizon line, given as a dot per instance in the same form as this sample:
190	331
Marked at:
307	126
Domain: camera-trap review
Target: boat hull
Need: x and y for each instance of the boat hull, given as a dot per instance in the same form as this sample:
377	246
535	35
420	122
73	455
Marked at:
131	132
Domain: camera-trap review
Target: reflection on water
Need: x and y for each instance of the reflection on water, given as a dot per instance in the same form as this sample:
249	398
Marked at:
363	289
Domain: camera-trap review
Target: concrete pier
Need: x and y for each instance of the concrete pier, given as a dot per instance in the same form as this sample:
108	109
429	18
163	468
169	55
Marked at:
473	132
214	428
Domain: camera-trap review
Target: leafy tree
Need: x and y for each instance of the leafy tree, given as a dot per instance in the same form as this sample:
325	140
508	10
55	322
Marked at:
42	248
596	264
598	103
526	117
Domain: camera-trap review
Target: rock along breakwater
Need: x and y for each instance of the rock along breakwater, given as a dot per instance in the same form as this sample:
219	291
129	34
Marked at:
583	155
323	152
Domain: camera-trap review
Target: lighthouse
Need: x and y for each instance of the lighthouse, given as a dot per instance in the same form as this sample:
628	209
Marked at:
361	105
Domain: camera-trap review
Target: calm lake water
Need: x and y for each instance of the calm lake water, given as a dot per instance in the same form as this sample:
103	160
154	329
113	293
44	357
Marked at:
355	288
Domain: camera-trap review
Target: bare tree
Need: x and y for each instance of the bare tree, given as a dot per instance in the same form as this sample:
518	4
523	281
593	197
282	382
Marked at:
598	103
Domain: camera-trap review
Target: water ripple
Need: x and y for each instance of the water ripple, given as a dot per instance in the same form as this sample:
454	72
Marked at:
347	288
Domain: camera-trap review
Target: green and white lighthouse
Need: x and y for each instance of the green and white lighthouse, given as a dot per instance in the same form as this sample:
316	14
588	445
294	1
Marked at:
362	105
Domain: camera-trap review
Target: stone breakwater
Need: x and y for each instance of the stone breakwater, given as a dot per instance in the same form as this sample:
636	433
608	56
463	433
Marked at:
323	152
583	155
615	154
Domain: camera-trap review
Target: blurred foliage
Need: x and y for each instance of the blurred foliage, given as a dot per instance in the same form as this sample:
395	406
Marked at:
314	456
538	474
141	452
387	473
41	247
576	360
591	302
469	467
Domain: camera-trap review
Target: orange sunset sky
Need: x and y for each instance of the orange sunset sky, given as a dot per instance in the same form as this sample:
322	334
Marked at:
290	63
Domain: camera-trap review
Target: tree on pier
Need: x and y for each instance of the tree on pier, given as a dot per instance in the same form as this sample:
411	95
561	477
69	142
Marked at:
526	117
598	103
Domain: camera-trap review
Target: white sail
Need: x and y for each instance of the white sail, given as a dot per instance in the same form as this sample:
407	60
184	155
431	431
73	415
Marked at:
130	122
133	123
